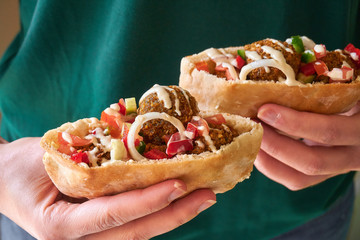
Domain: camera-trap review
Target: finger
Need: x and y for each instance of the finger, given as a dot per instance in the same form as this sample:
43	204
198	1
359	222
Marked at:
316	160
107	212
326	129
165	220
285	175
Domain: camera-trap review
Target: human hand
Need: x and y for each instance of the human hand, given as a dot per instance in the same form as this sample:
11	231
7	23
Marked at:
28	197
331	145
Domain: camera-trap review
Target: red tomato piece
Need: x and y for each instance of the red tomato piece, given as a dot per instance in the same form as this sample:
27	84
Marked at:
220	68
200	124
320	67
80	157
308	69
75	140
191	131
115	122
350	48
354	54
240	62
320	51
122	106
180	146
216	119
155	154
202	66
343	74
66	149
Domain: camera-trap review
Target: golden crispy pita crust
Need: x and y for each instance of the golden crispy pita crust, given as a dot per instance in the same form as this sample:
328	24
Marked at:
217	94
219	171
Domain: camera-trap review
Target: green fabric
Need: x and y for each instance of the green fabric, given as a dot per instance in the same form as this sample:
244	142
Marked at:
74	58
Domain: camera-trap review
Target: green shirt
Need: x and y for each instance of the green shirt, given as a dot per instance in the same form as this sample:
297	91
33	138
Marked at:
72	59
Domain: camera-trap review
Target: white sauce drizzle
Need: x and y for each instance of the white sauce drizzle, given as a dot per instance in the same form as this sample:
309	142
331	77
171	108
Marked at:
177	101
277	61
281	45
200	144
253	55
100	141
137	125
163	95
226	60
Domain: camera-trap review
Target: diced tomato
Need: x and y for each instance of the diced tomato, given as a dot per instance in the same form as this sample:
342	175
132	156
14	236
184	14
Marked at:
66	149
320	51
220	68
240	62
350	48
114	120
122	106
320	67
202	66
179	146
216	119
200	124
76	141
354	54
80	157
155	154
308	69
191	131
343	74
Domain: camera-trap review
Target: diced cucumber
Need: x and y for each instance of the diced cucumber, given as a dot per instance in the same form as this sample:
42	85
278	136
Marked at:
118	150
130	104
305	79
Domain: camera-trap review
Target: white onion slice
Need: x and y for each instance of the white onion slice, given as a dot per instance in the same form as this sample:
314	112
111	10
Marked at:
138	123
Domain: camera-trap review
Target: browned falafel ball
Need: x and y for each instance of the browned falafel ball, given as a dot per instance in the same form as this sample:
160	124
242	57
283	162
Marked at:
336	59
173	100
291	56
220	135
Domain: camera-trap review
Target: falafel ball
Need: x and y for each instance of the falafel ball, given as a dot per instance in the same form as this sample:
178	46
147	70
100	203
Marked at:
292	58
220	135
183	106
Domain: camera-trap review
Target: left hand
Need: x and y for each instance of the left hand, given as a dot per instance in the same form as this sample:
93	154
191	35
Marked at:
331	145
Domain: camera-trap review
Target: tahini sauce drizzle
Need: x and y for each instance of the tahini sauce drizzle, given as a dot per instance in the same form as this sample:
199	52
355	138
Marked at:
221	58
277	61
205	134
163	95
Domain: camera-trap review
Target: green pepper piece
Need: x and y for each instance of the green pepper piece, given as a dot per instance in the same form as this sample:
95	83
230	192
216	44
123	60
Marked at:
297	43
308	56
241	53
141	147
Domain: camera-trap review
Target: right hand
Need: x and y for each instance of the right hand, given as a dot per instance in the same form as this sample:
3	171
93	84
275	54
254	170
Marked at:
28	197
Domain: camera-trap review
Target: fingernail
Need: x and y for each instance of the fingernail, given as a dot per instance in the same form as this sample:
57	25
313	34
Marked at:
205	205
269	116
179	191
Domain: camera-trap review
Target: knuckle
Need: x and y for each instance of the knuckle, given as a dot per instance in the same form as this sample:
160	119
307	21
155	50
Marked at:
313	168
111	219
